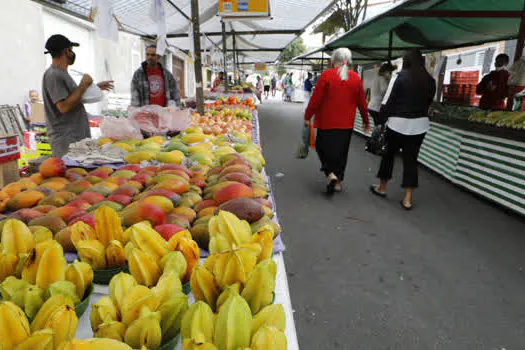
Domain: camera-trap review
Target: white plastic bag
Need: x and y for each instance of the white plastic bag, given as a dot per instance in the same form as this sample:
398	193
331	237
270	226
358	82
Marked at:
175	119
155	119
120	129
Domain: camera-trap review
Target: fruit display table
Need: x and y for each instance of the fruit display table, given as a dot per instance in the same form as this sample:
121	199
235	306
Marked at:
492	167
282	294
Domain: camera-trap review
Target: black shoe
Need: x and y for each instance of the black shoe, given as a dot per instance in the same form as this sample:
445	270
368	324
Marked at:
376	192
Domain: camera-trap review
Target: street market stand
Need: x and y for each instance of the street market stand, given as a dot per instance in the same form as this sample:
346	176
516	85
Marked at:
492	167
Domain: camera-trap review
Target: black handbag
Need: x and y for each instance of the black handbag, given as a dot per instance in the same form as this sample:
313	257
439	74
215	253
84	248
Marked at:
376	143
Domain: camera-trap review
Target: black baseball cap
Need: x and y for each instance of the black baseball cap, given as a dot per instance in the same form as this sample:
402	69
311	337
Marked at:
57	43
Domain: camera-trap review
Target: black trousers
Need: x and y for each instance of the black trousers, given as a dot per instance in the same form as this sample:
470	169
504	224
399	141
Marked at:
410	144
332	147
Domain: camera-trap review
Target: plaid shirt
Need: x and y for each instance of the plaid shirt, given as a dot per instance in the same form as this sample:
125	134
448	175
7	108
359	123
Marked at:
140	87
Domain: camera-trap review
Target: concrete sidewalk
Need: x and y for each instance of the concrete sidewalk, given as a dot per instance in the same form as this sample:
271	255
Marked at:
364	274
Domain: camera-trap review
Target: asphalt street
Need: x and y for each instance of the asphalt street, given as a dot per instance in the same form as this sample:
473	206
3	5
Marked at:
364	274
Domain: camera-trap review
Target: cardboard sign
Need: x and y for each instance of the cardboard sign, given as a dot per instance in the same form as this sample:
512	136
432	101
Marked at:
9	149
37	113
244	8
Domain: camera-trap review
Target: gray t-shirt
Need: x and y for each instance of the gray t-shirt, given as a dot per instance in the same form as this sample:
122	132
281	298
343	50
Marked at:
67	128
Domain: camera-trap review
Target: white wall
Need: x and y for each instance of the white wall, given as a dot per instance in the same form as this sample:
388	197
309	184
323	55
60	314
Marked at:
22	61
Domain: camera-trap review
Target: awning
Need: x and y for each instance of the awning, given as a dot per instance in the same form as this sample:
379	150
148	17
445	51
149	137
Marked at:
257	40
433	25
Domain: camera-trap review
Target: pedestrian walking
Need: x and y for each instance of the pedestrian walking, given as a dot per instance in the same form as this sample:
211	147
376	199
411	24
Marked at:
337	94
259	88
405	107
378	91
274	85
266	83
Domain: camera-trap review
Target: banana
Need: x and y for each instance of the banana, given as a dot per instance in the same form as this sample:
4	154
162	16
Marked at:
149	241
108	225
258	290
227	293
144	268
233	267
8	265
198	323
111	330
14	327
190	344
92	252
203	286
137	298
52	266
190	249
41	340
47	310
81	275
32	261
63	288
234	324
13	290
168	284
115	254
80	231
94	344
119	286
174	261
271	315
145	331
269	338
172	311
63	322
265	239
33	300
103	311
17	237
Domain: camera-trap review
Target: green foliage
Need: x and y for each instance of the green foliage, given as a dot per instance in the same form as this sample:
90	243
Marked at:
295	49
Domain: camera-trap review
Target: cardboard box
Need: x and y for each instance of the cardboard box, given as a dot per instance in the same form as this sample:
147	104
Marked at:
37	113
9	173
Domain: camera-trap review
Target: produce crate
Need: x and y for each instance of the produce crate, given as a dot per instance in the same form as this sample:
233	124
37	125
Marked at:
43	149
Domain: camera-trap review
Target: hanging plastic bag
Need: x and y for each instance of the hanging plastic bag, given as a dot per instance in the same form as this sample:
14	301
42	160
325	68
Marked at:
307	142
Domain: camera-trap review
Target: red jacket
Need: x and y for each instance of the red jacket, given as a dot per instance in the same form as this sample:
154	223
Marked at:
334	101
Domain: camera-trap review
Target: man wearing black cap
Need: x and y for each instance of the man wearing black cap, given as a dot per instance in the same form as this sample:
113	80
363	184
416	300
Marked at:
66	117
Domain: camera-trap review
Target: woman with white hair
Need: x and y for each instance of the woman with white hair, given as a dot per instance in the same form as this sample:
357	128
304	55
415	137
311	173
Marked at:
336	97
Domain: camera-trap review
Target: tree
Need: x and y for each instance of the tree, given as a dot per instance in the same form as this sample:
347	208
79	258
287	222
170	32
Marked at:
346	16
296	48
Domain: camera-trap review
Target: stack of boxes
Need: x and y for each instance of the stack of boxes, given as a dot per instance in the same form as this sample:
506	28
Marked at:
462	89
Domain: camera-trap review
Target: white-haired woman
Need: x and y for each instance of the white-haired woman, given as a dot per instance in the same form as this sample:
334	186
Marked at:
336	97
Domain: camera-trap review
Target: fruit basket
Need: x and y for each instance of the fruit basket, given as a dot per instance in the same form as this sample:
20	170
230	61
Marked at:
81	307
171	344
104	276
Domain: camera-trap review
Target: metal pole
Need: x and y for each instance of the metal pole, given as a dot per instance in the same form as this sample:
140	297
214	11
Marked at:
197	50
234	60
224	50
322	61
521	37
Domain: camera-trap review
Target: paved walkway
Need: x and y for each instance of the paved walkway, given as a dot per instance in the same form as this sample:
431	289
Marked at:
364	274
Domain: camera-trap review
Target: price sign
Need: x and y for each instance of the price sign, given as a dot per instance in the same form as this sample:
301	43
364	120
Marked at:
244	8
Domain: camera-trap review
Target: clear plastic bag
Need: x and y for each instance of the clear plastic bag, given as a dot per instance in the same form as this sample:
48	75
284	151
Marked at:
156	119
120	129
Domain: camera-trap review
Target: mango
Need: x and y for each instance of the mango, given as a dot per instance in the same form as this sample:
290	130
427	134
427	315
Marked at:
242	178
205	204
164	177
78	186
133	167
105	169
117	181
126	190
80	204
173	157
53	223
37	178
139	156
104	140
143	212
93	179
26	215
178	219
113	205
179	173
206	212
109	185
193	138
64	212
64	238
91	197
177	146
175	167
52	167
99	173
141	178
189	213
200	234
162	202
177	186
125	174
13	189
80	171
190	199
28	183
232	191
244	208
26	199
121	199
44	209
54	185
99	189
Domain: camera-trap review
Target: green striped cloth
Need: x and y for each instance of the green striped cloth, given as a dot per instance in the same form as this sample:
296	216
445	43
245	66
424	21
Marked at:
489	166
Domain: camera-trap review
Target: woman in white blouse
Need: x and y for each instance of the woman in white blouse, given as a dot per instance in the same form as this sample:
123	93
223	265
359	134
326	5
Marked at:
378	91
405	106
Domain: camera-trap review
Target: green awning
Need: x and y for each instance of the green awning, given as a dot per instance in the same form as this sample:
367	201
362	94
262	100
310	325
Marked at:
433	25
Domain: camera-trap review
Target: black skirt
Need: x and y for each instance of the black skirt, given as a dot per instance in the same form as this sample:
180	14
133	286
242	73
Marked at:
332	147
